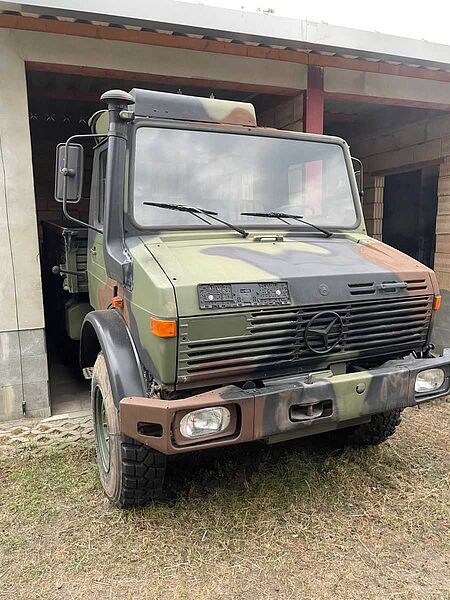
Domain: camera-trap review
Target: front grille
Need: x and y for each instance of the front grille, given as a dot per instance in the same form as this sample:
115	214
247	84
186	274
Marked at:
274	338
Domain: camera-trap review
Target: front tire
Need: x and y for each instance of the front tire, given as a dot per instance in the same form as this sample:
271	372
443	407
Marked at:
131	473
376	431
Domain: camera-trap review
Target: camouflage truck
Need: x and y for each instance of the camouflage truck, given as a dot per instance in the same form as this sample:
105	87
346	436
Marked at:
236	295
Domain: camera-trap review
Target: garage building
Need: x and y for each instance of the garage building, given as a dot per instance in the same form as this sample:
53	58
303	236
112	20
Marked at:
389	97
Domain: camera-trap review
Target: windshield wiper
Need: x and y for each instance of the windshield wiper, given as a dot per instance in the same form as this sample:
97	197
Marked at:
282	216
196	211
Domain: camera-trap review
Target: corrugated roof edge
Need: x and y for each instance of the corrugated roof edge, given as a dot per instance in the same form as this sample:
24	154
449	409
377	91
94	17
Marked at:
251	28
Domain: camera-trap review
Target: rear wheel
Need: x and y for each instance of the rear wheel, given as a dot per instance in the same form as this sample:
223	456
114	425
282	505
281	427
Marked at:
131	473
377	430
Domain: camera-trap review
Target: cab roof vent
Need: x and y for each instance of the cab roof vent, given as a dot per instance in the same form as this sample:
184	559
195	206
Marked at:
163	105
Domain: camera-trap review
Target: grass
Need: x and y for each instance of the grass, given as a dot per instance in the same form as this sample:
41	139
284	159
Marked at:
294	521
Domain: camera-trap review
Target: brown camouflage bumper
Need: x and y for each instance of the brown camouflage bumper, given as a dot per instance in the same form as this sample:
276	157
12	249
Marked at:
285	408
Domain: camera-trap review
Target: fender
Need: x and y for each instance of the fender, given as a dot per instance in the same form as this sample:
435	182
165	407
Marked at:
106	331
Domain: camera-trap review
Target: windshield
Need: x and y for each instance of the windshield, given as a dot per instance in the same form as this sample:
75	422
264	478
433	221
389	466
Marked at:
234	173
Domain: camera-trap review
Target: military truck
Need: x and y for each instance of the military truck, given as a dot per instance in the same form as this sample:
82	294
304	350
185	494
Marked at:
235	293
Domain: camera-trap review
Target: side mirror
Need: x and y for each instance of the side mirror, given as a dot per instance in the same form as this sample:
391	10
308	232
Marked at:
69	173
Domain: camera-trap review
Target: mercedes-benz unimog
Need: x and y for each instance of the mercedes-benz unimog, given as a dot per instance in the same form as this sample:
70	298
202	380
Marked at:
234	294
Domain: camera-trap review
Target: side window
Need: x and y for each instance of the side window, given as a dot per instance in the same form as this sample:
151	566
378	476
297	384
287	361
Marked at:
102	185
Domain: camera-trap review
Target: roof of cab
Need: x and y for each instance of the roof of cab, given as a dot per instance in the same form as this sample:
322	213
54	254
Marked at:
163	105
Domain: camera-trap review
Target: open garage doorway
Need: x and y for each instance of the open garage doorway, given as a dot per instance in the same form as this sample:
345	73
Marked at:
60	104
409	215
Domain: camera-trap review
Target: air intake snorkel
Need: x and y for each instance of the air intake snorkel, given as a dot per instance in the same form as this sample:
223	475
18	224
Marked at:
117	258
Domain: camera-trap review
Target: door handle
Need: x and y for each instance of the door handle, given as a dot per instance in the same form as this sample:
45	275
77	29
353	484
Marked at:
93	250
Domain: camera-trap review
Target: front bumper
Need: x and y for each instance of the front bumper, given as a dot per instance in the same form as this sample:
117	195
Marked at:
286	407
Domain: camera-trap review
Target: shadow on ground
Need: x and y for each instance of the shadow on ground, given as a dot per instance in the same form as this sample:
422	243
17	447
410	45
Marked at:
235	468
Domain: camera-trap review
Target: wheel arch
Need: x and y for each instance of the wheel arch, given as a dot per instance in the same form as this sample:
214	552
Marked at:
106	331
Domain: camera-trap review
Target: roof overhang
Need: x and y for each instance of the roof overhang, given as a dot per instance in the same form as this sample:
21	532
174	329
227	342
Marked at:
198	20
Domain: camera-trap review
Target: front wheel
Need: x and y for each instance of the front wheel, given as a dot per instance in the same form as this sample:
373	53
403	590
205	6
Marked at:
131	473
377	430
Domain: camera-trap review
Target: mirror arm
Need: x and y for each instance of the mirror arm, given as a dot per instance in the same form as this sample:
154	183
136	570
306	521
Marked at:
71	173
56	270
361	170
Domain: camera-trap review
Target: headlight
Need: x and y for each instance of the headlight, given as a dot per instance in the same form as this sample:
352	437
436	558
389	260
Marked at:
429	380
205	421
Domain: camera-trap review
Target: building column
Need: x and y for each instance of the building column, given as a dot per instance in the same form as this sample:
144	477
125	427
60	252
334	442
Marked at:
23	360
441	327
373	205
314	100
442	254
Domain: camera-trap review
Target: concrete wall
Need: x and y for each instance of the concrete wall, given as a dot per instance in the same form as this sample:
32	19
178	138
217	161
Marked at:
381	86
160	61
287	114
23	363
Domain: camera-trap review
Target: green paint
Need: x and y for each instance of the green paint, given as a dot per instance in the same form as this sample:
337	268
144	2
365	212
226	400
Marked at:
168	265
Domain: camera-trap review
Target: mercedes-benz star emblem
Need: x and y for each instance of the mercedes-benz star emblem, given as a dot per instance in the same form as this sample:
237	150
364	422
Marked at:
324	332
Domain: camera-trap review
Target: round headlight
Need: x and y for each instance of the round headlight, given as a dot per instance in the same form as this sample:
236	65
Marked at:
429	380
205	421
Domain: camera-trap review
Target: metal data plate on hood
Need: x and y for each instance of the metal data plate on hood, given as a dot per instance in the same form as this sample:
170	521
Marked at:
231	295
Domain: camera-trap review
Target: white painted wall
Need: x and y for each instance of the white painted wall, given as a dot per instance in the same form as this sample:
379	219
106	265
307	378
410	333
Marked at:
17	208
23	362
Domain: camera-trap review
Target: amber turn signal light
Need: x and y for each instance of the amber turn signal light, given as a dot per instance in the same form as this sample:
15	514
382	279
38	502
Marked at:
117	302
162	328
437	302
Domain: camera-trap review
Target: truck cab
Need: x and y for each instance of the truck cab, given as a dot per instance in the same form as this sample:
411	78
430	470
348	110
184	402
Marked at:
235	293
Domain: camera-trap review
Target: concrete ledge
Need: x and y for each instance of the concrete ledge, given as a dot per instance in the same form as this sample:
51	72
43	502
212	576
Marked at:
53	432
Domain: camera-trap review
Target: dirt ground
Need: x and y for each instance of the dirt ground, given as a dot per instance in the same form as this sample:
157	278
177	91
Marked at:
298	521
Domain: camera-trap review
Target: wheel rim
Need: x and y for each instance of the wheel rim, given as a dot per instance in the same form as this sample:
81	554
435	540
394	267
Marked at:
101	430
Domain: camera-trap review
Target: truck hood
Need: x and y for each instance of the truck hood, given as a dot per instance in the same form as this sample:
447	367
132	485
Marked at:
317	270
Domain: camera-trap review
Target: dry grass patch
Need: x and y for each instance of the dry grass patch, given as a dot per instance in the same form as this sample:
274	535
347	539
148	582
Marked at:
302	520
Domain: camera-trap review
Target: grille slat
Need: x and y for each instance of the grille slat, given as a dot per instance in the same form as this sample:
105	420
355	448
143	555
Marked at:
410	323
380	335
240	352
372	344
274	338
243	343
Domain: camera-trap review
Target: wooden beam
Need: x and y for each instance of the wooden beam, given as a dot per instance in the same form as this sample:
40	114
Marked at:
203	45
314	101
162	79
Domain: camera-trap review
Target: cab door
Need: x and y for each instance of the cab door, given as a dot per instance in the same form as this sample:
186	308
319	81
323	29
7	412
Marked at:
100	287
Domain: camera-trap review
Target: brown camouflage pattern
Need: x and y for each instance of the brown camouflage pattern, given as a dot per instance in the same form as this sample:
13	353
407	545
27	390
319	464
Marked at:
265	414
